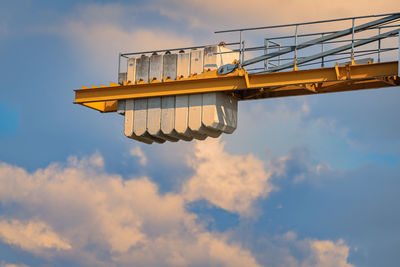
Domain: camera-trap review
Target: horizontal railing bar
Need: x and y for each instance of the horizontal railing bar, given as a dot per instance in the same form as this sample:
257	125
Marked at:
338	59
319	62
337	50
305	23
373	51
259	48
330	32
171	49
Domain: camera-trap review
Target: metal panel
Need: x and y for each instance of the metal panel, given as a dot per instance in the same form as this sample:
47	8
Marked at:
168	119
219	112
142	68
194	119
217	56
183	65
154	119
121	107
129	118
182	115
122	77
154	115
212	114
226	58
131	77
140	120
154	103
167	114
196	61
210	58
230	111
156	65
170	66
168	102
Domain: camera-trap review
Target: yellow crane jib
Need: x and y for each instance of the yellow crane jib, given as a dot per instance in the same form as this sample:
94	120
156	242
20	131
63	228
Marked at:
193	92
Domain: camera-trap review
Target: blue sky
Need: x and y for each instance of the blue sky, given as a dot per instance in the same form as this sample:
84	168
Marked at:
303	181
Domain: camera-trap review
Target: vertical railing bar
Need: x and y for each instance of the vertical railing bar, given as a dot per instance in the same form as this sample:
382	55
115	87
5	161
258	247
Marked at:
379	46
279	58
398	59
322	51
266	52
295	42
119	65
352	37
241	51
127	63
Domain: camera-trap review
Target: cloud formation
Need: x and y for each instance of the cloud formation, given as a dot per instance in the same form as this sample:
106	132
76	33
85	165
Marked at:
230	182
92	217
326	253
4	264
137	152
102	214
100	32
225	14
31	236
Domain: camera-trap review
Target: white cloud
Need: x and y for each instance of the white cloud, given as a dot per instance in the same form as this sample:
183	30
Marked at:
213	15
137	152
4	264
100	32
287	250
231	182
31	236
298	166
325	253
94	218
101	214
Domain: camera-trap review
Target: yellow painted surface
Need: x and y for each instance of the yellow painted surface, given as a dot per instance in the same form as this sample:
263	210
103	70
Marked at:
246	87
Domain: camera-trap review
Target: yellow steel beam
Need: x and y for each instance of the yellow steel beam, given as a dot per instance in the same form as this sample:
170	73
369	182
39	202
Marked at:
244	86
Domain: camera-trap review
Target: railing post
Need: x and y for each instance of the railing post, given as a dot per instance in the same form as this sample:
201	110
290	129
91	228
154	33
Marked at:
243	51
352	38
119	66
295	43
240	49
266	62
322	51
279	58
379	46
398	60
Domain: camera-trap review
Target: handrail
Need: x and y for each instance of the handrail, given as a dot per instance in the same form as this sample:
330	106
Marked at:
323	39
304	23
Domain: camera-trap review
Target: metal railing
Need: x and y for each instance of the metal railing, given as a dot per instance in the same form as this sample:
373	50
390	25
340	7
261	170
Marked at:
279	52
295	45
